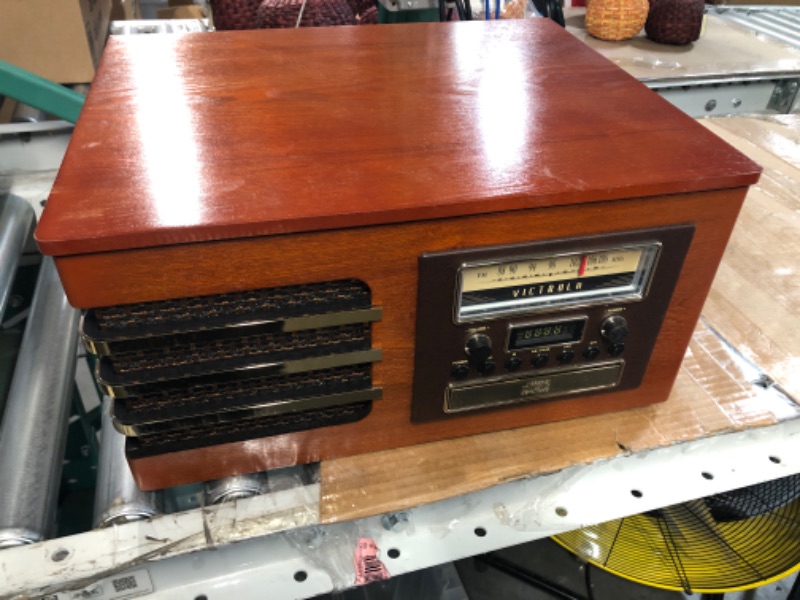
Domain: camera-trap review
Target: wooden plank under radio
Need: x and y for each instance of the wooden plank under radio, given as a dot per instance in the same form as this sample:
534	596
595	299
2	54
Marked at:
304	244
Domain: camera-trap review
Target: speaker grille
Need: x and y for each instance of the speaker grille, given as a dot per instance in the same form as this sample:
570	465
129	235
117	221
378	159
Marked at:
208	370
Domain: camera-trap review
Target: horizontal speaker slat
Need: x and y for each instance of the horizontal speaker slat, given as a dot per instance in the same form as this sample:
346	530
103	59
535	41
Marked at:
162	401
104	343
116	386
244	429
133	320
231	352
235	414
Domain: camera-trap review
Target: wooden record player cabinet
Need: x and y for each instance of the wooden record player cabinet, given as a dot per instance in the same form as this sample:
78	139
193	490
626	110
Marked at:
231	161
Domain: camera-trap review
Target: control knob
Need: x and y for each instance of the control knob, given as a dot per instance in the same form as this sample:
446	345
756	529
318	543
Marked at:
478	349
614	329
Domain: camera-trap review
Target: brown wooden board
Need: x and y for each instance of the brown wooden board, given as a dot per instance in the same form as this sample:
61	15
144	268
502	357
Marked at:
755	299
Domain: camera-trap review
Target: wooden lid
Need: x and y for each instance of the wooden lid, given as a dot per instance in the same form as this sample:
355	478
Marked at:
235	134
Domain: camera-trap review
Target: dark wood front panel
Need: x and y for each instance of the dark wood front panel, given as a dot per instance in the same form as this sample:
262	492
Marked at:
440	341
386	258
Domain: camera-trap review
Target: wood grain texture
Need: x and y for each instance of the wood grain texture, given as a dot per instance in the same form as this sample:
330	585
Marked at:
105	278
239	134
756	295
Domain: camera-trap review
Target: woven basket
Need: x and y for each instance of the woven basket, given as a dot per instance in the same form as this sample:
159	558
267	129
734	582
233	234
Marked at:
234	14
317	13
677	22
615	19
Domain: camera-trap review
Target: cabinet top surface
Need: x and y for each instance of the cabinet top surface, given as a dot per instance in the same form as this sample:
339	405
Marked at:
237	134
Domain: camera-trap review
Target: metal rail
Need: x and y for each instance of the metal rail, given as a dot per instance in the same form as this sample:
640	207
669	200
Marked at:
780	23
117	499
34	428
16	219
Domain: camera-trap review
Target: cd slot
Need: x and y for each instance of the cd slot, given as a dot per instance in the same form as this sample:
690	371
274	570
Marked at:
461	398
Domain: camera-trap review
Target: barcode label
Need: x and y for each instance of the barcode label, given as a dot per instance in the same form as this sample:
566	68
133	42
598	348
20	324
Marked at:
118	587
129	585
124	583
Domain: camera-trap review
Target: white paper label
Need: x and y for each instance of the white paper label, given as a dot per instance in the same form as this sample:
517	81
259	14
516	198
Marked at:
116	587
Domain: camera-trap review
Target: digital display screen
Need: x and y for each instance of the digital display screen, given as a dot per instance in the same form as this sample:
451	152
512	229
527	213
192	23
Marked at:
545	334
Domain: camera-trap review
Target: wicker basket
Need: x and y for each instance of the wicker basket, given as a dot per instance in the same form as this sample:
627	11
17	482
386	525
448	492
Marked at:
615	19
677	22
317	13
234	14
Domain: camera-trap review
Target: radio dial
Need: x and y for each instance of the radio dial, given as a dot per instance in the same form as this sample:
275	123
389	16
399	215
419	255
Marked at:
478	349
614	329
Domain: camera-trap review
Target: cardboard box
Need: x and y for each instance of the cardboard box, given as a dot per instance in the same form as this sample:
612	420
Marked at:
61	41
126	10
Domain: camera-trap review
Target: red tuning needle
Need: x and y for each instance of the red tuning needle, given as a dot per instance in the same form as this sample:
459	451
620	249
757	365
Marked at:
582	269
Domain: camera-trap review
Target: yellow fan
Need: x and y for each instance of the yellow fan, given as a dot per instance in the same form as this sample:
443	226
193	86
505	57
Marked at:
732	541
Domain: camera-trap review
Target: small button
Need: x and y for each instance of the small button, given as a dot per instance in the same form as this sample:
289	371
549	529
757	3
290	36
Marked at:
487	368
540	360
513	364
616	349
565	357
591	353
459	372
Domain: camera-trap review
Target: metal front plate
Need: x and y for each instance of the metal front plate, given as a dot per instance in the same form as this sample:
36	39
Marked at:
459	398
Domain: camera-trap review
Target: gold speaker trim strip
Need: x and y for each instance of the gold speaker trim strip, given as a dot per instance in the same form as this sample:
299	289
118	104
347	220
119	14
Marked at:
272	369
541	386
267	409
106	347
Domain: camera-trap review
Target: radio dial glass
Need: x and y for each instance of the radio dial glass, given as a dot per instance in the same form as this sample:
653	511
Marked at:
551	282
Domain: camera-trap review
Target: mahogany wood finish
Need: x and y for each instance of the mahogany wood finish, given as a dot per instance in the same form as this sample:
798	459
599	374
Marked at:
277	158
238	134
386	258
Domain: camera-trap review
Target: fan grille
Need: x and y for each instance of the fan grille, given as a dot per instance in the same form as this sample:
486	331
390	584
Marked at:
732	541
